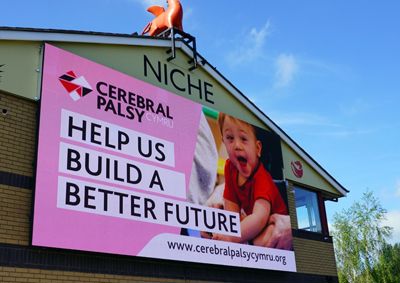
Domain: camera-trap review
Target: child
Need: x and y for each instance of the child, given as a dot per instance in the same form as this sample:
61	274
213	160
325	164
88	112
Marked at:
249	188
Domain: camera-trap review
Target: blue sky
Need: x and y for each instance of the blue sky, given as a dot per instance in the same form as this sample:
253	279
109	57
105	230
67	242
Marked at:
326	71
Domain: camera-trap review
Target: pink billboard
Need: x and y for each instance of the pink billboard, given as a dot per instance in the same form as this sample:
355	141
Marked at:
128	168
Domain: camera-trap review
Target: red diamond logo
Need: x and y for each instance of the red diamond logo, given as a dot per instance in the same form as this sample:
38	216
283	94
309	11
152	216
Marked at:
77	87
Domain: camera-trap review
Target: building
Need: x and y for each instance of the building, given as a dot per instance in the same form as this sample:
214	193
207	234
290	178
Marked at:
65	233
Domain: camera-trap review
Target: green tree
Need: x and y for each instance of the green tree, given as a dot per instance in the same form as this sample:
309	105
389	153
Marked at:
360	237
387	269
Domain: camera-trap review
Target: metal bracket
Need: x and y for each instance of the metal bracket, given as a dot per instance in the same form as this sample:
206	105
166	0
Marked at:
184	37
1	70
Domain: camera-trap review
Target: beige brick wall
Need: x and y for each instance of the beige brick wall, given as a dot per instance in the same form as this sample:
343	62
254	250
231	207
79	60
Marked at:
15	209
315	257
292	206
17	135
11	274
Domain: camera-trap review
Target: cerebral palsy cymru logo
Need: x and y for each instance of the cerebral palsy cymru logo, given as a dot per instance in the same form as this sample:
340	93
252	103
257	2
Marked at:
77	87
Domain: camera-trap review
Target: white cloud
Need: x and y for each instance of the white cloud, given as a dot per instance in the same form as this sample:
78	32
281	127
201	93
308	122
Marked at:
301	119
314	124
398	188
393	220
345	133
250	47
259	37
355	107
286	68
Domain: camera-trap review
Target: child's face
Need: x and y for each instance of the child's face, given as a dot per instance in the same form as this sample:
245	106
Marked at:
242	145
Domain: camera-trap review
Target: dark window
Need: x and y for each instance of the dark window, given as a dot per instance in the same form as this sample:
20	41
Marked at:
307	209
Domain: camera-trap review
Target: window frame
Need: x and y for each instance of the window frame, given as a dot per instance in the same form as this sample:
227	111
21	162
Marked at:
321	211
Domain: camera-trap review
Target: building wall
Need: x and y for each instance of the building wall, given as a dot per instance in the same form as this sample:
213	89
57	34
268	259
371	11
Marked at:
12	274
20	70
315	257
19	261
310	177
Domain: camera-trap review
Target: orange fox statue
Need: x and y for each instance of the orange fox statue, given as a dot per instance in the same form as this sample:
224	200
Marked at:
165	19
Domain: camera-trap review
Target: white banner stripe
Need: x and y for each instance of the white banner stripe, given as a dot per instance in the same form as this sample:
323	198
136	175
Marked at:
185	248
83	162
109	201
108	136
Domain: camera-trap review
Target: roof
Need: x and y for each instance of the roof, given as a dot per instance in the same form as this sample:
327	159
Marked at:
35	34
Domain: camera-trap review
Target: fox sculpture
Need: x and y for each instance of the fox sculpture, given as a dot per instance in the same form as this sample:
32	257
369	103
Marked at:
164	19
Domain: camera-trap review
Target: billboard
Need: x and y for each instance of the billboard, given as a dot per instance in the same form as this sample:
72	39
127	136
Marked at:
128	168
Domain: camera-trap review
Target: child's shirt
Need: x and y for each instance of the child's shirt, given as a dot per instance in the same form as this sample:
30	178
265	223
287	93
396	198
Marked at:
258	186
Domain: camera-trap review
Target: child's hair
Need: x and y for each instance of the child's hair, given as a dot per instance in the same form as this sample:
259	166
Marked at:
221	120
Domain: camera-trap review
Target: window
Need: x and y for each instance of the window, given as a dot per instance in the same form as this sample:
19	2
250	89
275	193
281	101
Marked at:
308	216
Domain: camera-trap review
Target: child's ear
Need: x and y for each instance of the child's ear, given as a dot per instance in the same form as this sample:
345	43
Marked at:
259	148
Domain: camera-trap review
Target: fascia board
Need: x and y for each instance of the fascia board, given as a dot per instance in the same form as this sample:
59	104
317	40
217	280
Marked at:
82	38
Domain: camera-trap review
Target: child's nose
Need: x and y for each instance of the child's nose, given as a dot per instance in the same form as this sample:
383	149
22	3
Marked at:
238	144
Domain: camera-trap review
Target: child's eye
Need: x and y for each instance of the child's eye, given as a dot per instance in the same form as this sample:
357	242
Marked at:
244	139
229	138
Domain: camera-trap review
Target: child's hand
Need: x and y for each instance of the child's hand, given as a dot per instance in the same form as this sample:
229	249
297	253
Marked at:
216	199
206	235
243	215
281	234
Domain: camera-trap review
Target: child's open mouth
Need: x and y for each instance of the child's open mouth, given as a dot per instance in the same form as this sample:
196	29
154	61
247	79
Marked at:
242	161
